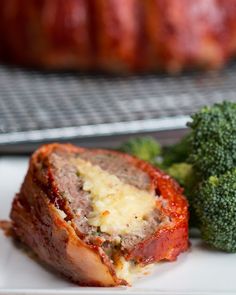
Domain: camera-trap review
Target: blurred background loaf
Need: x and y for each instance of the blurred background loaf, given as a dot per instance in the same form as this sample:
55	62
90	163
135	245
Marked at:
118	35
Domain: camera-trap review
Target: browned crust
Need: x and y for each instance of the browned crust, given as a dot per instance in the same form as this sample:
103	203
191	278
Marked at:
118	35
38	224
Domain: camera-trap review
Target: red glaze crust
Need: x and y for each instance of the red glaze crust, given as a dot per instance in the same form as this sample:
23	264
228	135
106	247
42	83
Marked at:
38	224
49	34
186	34
118	35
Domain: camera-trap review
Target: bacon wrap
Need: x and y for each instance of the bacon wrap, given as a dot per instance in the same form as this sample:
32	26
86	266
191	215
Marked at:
118	35
37	223
50	34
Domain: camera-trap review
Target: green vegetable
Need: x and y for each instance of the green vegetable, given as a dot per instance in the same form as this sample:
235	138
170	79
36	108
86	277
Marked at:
213	139
176	153
187	178
215	208
145	148
204	163
183	173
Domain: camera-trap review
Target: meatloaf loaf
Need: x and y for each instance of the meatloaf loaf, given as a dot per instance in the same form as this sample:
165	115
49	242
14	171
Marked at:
99	217
118	35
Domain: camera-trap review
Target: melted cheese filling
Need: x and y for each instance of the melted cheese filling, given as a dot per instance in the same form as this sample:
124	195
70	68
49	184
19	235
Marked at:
129	271
118	208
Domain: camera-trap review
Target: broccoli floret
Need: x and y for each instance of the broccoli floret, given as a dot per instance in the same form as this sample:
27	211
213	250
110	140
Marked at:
176	153
145	148
215	208
213	139
182	172
188	179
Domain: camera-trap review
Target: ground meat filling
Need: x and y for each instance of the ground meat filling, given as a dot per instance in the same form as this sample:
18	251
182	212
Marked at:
118	166
70	186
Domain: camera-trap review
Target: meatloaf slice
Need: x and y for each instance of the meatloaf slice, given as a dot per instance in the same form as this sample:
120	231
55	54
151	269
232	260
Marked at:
97	216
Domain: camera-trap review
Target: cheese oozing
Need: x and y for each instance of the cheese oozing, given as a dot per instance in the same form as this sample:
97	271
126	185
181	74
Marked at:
118	208
129	271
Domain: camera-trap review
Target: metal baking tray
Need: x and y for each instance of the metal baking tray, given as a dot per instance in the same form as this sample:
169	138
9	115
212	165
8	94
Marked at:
38	107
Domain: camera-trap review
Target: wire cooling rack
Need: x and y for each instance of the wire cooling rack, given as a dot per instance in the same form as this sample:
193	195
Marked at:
37	106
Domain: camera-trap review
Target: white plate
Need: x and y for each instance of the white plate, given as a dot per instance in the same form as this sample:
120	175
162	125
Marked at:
200	271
